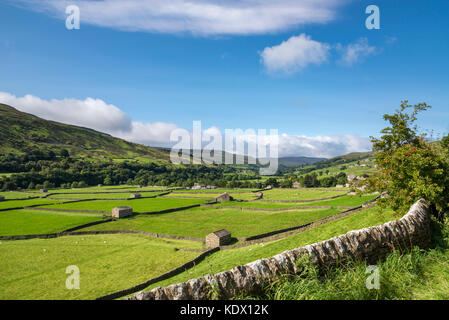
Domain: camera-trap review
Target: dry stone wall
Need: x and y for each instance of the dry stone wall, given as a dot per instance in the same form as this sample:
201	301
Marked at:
369	243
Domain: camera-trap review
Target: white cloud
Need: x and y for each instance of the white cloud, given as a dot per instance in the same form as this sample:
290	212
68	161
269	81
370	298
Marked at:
97	114
201	17
354	52
294	54
92	113
322	146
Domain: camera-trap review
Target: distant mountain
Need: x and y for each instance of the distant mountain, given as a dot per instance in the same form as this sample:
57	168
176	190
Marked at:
22	132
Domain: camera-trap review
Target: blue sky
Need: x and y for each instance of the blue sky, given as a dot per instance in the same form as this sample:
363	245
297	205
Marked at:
165	75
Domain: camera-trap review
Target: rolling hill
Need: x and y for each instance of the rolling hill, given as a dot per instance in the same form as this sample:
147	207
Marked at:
22	132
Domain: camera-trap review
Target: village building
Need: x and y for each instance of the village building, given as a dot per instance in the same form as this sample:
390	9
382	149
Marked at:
43	190
2	198
351	178
218	238
122	212
296	185
135	196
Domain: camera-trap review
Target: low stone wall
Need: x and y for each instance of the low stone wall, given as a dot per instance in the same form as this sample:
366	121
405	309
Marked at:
372	244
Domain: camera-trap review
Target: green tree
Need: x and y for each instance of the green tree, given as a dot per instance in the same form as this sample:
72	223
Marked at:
107	181
409	168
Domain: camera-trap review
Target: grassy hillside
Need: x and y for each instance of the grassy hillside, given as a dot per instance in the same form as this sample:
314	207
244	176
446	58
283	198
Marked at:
357	163
21	132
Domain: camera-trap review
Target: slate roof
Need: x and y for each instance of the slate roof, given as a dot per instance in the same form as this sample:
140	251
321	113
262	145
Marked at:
221	233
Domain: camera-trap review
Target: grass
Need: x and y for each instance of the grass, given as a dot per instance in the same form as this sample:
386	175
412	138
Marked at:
105	189
300	194
19	195
18	222
217	191
139	205
119	196
36	269
227	259
345	201
417	274
237	195
199	222
25	203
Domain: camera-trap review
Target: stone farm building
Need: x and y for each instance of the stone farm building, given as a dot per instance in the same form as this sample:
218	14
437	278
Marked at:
122	212
218	238
224	197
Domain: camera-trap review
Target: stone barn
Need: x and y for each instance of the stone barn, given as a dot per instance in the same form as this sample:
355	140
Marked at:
224	197
122	212
218	238
135	196
43	190
2	198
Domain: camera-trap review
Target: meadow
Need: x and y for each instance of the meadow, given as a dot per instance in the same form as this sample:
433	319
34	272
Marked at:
227	259
235	195
110	195
26	203
302	194
35	268
20	222
344	201
138	205
199	222
19	195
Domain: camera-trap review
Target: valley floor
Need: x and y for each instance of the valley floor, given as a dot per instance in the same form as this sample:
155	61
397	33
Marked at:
116	254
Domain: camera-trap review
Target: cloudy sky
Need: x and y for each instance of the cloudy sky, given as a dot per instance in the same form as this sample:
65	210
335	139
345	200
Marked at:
139	69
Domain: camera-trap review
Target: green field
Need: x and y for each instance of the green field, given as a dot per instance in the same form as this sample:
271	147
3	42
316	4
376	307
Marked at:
217	191
227	259
19	195
237	195
18	222
199	222
26	203
301	194
107	263
126	260
139	205
112	196
106	189
344	201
